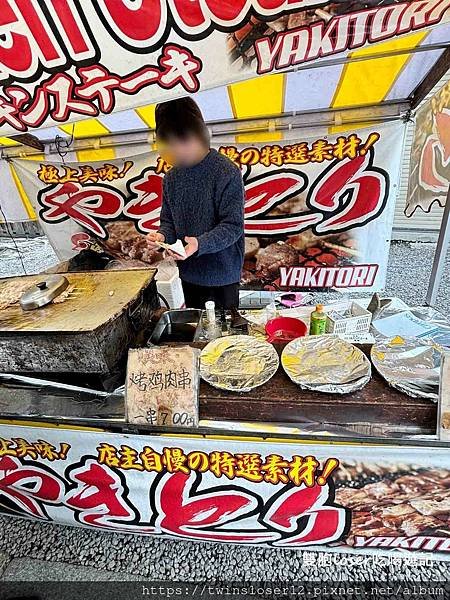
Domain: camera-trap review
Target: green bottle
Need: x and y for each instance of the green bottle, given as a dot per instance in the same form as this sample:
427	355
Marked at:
318	324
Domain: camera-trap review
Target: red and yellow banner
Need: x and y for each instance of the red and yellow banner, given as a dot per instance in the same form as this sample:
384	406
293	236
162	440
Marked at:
318	209
430	155
66	61
271	493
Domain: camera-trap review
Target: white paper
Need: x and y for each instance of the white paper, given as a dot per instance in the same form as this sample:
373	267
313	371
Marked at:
405	324
178	247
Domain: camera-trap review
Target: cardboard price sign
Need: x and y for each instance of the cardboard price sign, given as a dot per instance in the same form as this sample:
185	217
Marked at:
162	386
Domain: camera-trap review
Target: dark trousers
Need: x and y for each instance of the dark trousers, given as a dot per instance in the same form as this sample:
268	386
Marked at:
225	296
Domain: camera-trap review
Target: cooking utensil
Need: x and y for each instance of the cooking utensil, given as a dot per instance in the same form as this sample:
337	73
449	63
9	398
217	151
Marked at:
43	292
89	331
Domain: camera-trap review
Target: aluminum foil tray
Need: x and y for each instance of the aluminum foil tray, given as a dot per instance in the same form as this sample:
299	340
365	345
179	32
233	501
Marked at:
238	363
410	365
325	363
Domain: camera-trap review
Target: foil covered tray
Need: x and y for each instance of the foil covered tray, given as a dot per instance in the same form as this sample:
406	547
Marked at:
238	363
410	365
325	363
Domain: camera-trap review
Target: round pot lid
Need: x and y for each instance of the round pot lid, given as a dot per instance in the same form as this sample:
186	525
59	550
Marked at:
43	292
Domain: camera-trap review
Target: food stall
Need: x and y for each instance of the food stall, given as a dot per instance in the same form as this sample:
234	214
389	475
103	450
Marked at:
223	427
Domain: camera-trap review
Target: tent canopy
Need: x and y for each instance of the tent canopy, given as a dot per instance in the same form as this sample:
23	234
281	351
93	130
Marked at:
380	81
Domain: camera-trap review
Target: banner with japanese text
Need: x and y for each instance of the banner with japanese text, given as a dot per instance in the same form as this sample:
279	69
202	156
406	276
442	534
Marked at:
64	61
339	497
429	178
318	210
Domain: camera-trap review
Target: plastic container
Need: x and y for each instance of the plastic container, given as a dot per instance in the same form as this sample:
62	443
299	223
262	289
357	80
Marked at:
359	322
285	329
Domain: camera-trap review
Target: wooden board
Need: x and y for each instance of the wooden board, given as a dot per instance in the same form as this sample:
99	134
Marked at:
96	298
377	407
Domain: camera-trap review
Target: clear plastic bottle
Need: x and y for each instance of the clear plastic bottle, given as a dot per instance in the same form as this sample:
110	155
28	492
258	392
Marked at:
271	311
318	324
212	327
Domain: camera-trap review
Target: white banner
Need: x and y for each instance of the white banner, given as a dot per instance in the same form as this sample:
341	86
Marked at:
338	497
64	61
318	210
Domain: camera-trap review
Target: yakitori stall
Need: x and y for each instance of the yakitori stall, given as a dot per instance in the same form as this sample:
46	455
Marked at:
121	409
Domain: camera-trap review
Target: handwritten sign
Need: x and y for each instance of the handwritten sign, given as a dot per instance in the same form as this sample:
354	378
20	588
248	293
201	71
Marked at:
162	386
444	399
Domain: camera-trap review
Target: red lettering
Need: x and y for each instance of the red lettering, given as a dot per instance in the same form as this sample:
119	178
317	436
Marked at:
200	516
354	189
227	11
28	487
72	29
98	497
40	31
140	24
324	523
16	56
190	13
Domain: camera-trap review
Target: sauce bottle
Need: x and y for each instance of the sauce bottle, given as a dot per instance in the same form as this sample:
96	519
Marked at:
318	324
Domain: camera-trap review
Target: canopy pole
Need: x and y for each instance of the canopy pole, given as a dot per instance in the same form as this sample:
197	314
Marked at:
440	254
440	68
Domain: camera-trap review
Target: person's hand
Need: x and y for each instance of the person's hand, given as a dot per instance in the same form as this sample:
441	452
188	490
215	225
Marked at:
190	249
154	236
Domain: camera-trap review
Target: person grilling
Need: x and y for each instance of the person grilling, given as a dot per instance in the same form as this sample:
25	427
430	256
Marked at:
203	204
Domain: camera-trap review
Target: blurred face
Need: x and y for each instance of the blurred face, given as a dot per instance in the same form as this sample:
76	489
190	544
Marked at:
183	152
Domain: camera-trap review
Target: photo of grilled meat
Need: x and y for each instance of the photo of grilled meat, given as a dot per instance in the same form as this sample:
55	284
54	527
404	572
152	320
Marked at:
405	501
262	267
240	43
125	242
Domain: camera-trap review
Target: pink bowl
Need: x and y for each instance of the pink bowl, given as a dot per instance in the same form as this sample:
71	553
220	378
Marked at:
285	329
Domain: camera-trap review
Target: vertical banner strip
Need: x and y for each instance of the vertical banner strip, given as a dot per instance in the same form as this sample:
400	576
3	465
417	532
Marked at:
23	195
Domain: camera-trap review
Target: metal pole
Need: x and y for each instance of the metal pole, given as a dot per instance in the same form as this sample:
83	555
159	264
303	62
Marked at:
440	254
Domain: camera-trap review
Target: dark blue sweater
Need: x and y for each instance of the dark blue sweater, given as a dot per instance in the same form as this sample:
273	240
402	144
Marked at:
206	201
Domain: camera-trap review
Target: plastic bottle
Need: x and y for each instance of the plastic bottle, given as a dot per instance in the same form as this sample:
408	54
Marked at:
318	324
212	328
271	311
210	308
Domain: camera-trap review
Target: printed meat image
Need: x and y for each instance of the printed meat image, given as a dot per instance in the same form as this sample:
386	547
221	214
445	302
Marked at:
272	257
240	43
264	256
125	242
393	502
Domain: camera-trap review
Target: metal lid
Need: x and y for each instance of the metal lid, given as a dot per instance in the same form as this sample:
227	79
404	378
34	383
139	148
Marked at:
43	292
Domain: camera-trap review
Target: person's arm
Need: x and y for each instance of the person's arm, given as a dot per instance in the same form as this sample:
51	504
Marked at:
231	218
166	226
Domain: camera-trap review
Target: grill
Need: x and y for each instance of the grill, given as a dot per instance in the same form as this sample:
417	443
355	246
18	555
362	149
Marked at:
86	329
